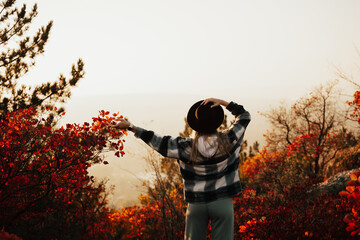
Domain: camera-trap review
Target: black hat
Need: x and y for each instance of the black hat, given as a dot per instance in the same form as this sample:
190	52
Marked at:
204	118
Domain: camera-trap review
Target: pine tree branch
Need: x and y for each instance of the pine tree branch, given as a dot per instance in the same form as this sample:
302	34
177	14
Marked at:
3	9
21	18
7	31
7	4
31	51
14	59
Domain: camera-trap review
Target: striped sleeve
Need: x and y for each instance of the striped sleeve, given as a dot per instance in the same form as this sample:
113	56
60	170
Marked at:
167	146
242	119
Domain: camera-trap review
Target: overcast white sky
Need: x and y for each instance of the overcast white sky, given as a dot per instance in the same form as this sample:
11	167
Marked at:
151	60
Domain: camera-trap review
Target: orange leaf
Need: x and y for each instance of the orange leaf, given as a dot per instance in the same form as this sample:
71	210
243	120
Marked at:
353	177
354	212
343	193
350	189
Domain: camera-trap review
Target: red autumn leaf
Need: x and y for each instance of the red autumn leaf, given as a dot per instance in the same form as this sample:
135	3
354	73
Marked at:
344	193
351	183
54	166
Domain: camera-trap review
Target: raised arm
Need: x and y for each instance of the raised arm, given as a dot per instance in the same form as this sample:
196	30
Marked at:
242	119
165	145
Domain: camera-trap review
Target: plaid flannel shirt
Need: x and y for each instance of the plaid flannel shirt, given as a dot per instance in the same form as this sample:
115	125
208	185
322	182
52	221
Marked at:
210	178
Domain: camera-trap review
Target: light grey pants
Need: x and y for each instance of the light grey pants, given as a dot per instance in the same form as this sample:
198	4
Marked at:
221	215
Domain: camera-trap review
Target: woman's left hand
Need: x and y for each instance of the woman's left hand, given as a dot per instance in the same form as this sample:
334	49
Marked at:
215	102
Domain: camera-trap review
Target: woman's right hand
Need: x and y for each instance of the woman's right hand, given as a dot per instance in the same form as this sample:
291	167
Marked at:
216	102
121	124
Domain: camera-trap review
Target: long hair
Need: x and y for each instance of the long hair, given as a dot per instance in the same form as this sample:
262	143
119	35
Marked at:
222	140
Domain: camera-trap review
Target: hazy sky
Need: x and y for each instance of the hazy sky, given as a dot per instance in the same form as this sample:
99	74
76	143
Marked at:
152	59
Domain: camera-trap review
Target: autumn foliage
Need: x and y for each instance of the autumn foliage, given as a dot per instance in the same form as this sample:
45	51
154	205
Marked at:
280	199
352	193
45	189
293	214
47	193
148	221
355	103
